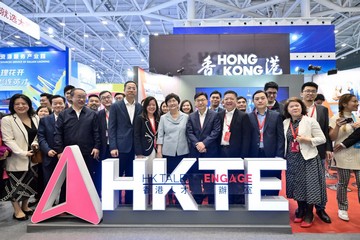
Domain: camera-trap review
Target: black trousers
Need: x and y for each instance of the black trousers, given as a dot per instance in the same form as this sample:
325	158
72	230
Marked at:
126	169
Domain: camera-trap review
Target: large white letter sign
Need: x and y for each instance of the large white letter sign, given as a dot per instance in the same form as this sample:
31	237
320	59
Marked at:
112	183
256	202
221	167
162	183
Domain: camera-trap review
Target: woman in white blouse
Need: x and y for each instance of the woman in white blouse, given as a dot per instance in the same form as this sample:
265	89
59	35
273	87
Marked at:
341	126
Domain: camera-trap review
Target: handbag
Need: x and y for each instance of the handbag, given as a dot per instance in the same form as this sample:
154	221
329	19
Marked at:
37	157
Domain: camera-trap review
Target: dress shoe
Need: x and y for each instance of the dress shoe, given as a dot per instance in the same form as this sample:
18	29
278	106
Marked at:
20	218
323	216
28	213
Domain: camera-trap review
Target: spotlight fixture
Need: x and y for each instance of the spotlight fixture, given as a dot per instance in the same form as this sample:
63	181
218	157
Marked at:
299	70
169	74
315	68
181	70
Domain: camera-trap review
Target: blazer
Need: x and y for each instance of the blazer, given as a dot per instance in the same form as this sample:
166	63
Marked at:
322	117
273	135
352	138
172	134
308	127
102	131
121	130
16	138
208	134
278	107
240	133
46	133
144	136
82	131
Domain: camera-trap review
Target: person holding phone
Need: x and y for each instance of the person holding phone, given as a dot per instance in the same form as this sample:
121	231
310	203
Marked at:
342	125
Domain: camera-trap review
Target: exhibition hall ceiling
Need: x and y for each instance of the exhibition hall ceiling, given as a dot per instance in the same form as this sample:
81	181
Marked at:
112	35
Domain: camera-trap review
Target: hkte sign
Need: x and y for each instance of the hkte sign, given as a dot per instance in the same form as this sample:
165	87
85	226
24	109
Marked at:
83	201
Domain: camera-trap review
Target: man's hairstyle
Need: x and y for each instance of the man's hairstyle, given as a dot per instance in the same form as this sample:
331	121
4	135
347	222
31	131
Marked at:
57	96
320	97
257	92
67	88
241	97
216	92
93	95
170	96
119	93
271	85
231	92
47	95
103	92
126	83
200	94
74	89
309	84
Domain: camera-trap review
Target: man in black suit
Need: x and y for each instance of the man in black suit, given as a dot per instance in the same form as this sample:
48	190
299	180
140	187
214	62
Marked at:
79	125
321	114
203	129
234	140
215	100
267	139
121	131
103	115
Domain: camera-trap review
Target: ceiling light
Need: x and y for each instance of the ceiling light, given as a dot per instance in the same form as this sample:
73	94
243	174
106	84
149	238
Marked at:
102	73
10	43
143	40
102	48
93	60
156	34
104	22
120	34
343	58
147	22
117	60
73	49
17	36
343	45
52	36
86	35
336	31
132	48
130	73
50	30
38	42
143	60
62	24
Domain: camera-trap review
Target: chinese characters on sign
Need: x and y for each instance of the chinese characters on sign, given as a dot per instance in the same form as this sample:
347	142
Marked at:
240	64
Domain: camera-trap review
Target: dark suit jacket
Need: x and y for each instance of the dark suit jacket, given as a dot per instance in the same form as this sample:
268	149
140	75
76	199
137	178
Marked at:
102	132
322	116
121	130
352	138
144	136
208	134
273	133
46	133
240	133
82	131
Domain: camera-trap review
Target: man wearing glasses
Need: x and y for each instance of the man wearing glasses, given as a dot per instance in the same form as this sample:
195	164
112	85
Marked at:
271	89
321	114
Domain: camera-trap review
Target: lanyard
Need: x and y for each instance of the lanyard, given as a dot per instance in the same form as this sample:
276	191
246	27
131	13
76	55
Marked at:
261	127
294	133
225	121
312	112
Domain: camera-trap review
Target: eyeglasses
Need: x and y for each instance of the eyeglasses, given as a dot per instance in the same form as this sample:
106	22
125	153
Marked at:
106	98
271	93
201	100
310	91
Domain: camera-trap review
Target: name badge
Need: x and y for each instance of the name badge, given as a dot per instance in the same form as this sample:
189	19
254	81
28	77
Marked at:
295	147
227	136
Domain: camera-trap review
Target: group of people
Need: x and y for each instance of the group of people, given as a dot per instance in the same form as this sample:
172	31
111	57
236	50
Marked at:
299	131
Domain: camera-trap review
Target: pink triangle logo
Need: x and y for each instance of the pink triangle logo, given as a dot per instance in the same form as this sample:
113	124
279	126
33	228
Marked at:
82	199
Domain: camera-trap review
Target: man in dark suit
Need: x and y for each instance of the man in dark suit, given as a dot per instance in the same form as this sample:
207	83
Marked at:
79	125
321	114
234	140
215	100
271	89
103	115
203	129
267	139
46	133
121	131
